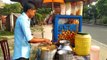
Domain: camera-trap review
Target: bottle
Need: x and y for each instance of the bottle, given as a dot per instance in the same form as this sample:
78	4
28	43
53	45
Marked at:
95	51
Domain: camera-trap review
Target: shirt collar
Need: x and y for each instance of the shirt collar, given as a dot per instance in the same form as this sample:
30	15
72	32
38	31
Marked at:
24	14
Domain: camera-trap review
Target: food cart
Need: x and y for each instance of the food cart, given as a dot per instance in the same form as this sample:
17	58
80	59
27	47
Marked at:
67	28
69	22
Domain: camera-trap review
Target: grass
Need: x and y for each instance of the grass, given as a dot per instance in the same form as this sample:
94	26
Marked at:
37	28
0	52
2	34
6	33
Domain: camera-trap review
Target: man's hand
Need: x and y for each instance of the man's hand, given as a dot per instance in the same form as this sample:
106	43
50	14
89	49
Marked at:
47	41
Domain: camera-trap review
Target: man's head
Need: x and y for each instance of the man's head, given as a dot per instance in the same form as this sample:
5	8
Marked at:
29	9
57	8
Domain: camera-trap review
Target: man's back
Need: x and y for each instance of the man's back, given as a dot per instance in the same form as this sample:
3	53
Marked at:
22	36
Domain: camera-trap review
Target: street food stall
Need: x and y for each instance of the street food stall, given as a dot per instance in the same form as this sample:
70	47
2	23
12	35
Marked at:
69	42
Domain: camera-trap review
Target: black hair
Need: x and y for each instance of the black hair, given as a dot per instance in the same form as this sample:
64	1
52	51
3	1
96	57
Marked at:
56	5
28	5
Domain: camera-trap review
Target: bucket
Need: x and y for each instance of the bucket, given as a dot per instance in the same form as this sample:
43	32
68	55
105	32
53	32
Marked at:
47	51
48	55
82	44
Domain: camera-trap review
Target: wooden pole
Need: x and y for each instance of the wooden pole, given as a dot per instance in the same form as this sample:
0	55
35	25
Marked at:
52	5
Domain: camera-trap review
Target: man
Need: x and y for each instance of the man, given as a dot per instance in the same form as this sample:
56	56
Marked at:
23	36
56	11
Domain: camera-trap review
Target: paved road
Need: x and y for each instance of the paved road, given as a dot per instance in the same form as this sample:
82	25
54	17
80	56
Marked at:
98	33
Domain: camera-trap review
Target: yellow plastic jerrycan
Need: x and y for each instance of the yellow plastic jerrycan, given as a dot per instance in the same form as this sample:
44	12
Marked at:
82	44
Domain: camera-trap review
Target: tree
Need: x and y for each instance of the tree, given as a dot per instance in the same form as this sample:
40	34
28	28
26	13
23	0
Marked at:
102	7
11	8
94	12
87	14
41	14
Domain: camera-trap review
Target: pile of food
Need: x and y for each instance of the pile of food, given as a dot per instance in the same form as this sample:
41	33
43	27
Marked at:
48	47
67	35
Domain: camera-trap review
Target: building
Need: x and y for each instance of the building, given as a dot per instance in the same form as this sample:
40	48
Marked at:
1	4
10	21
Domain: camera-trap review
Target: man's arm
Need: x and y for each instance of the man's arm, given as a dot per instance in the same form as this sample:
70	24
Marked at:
27	32
40	40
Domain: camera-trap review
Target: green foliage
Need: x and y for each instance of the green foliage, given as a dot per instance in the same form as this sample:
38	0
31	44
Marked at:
39	17
102	7
11	8
98	10
0	52
6	33
104	19
41	14
86	8
86	15
44	10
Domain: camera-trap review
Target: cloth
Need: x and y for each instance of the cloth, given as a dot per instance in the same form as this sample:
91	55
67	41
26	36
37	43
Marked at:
63	9
22	34
68	8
